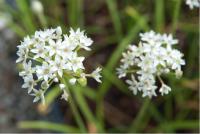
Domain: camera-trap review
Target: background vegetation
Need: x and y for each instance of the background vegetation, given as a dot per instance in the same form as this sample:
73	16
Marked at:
113	24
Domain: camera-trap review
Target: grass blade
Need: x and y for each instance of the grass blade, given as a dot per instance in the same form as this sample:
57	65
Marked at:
112	6
159	15
133	13
75	13
176	15
27	15
137	123
47	126
176	125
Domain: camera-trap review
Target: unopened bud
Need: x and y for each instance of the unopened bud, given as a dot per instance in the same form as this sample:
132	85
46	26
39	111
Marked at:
36	6
82	81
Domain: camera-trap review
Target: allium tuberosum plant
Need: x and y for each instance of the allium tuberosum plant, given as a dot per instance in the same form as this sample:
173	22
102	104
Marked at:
153	57
48	56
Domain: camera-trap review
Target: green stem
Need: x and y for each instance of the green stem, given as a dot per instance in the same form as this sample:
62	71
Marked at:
136	124
42	20
84	107
74	109
131	71
161	81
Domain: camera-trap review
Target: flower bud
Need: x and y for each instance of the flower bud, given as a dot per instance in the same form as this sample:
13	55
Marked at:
72	81
178	73
44	85
79	72
58	30
82	81
36	6
62	86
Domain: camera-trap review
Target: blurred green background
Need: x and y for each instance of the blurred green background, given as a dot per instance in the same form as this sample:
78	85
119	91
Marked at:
110	106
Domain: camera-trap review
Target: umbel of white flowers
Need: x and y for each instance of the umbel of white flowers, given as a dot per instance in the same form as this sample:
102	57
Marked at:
153	57
193	3
48	56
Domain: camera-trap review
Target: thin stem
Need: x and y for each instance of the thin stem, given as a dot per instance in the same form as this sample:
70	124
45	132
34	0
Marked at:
135	126
42	19
74	109
85	108
160	79
131	71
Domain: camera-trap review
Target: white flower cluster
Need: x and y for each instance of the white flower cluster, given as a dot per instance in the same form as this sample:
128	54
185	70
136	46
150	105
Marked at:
193	3
153	57
48	55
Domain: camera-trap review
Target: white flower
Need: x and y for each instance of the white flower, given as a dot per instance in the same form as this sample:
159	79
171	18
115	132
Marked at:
82	40
146	63
193	3
153	57
133	84
39	94
121	71
28	70
53	46
45	35
48	55
59	64
45	71
149	91
128	59
76	62
150	37
164	89
96	74
168	39
66	48
65	95
177	59
29	83
39	50
22	53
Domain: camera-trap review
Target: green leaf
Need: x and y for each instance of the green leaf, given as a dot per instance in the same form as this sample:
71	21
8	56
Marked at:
138	120
177	125
159	15
134	14
112	6
75	13
25	12
176	13
47	126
